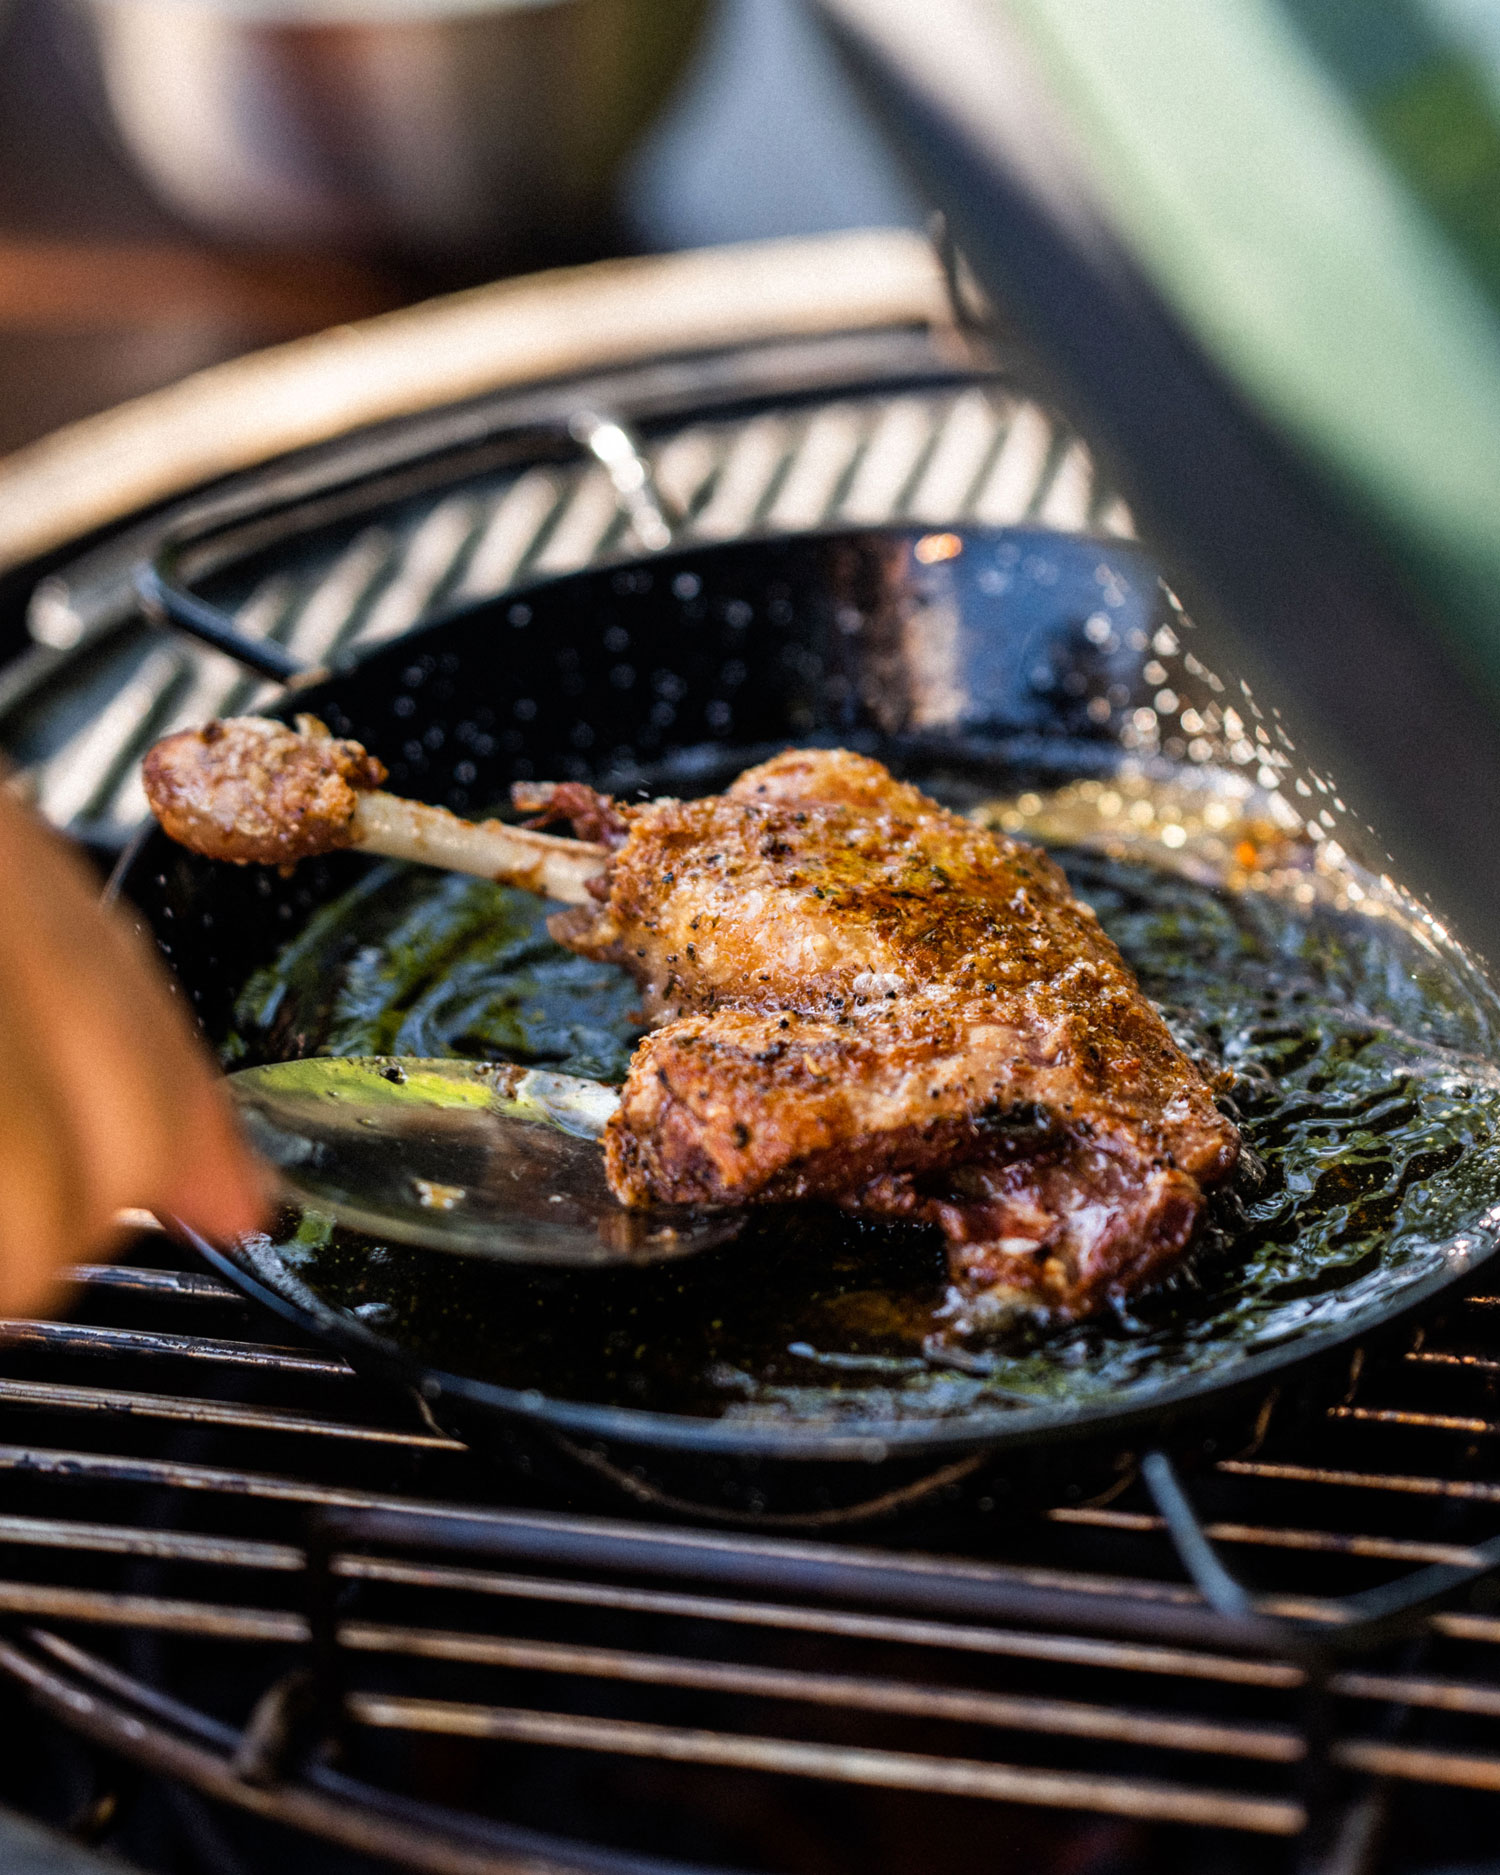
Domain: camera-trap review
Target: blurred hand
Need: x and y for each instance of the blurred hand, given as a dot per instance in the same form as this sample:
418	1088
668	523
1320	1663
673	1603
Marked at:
107	1098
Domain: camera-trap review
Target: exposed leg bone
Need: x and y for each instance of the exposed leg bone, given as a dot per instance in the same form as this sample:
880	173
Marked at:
255	792
536	862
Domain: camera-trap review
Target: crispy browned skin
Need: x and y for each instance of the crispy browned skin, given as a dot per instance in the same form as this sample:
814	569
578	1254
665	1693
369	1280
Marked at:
859	996
250	790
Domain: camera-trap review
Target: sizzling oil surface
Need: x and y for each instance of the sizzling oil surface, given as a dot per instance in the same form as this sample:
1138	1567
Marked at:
1361	1051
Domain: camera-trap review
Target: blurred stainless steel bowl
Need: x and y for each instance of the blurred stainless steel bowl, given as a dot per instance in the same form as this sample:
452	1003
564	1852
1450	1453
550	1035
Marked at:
470	129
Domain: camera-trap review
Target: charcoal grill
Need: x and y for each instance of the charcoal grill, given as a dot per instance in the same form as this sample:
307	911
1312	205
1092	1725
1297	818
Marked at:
256	1606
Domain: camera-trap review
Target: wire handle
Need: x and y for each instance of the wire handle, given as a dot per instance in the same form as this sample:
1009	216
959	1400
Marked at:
1195	1550
1350	1624
613	444
166	600
166	603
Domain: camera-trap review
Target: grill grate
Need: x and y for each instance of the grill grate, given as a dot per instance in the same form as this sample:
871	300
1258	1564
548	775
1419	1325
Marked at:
978	454
173	1494
197	1518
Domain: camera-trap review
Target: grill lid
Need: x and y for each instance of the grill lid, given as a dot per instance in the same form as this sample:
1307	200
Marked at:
1366	622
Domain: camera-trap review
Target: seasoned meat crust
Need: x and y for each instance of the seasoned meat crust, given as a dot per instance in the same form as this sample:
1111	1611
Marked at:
253	791
861	997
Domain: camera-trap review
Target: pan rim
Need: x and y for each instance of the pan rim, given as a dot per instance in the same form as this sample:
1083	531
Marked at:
870	1441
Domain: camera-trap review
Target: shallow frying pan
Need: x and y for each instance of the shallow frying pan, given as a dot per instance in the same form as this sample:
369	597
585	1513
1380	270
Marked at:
783	1375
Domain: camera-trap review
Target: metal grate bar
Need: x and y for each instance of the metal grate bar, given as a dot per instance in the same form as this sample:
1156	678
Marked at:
684	466
1069	1718
206	1620
1324	1542
54	1397
1062	1649
245	1553
1070	493
964	445
510	533
894	1770
72	780
1011	485
587	1539
82	1338
429	558
1052	1597
100	1467
326	614
845	1692
1468	1627
1437	1695
745	476
769	1561
589	517
215	686
895	451
1436	1357
1474	1489
166	1545
339	1809
1415	1765
815	472
1427	1422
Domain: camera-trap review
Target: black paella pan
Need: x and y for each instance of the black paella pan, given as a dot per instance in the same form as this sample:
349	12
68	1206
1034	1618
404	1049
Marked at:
1045	679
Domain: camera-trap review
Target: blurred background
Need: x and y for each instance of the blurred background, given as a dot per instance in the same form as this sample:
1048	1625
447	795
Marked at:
1251	252
181	182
